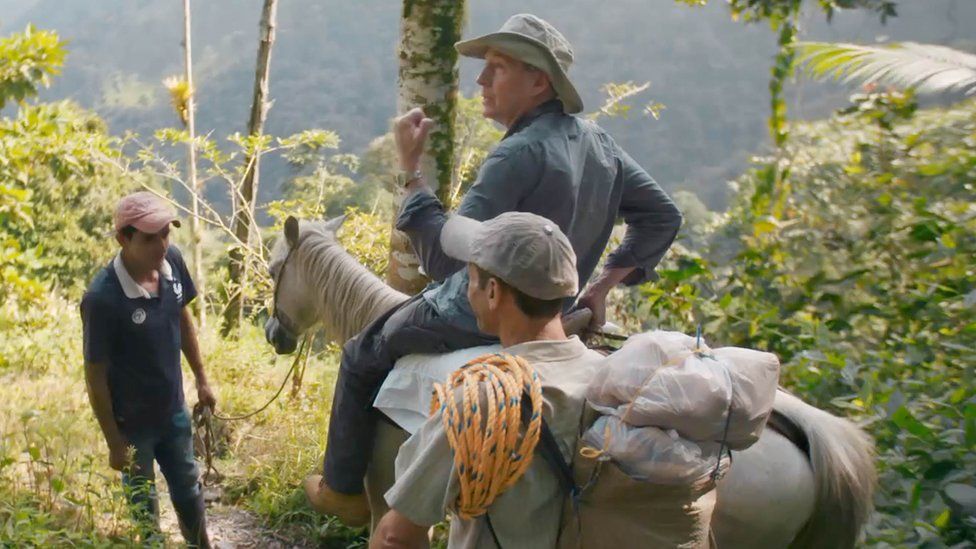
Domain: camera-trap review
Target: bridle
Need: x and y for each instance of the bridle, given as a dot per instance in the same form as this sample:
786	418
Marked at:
284	322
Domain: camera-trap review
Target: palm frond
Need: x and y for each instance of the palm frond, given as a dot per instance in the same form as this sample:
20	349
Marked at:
927	68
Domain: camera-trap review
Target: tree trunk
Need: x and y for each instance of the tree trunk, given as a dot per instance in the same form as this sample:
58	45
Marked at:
196	230
244	216
428	78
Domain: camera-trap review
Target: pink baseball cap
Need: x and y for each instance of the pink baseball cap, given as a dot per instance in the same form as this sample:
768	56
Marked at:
145	211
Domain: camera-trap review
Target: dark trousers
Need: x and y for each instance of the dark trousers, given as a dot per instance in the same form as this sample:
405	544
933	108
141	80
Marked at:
411	328
170	445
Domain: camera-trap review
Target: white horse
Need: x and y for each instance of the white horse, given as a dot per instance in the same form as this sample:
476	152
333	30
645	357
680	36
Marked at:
775	495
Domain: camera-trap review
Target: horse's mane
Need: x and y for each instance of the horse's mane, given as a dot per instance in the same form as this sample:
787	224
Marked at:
347	295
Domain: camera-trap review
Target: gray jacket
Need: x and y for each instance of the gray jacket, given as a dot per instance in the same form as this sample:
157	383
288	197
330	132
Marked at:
563	168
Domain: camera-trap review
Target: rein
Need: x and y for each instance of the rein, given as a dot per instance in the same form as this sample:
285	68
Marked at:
203	416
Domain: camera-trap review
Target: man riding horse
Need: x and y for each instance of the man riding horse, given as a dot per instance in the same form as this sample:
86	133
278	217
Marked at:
808	483
549	163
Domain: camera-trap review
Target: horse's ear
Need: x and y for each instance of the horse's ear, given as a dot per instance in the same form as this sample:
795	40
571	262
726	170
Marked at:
291	231
335	223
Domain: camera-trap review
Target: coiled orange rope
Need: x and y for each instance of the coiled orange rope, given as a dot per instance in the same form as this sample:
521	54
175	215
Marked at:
489	454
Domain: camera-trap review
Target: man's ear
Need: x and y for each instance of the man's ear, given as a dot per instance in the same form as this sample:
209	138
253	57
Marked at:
542	82
120	238
493	293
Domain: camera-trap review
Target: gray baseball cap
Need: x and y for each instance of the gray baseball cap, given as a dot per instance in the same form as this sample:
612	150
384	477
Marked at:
527	251
532	40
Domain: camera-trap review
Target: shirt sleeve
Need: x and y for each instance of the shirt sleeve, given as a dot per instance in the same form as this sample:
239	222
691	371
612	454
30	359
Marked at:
652	222
175	258
96	322
505	177
426	484
422	218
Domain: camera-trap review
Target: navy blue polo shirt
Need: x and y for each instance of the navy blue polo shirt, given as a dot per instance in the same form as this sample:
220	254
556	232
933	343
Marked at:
137	336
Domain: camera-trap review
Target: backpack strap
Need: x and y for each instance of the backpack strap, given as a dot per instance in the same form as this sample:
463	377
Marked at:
491	530
549	449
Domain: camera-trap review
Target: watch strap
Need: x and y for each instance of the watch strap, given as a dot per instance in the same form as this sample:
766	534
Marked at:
404	178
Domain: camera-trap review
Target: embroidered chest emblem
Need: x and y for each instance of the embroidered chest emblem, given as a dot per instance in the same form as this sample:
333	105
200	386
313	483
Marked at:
139	316
178	290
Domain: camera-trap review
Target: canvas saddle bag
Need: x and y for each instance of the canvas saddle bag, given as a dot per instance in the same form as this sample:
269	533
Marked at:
604	508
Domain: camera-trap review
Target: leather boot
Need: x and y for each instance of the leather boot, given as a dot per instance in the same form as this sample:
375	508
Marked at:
351	509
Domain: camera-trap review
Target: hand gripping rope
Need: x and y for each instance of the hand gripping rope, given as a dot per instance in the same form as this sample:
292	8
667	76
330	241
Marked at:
203	416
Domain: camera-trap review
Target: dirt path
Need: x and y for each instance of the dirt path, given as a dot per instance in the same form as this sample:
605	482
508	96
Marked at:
229	527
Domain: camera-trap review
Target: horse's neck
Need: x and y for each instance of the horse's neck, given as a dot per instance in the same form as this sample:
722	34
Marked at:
347	295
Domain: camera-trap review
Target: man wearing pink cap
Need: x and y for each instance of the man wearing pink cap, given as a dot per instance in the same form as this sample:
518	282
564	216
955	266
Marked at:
135	324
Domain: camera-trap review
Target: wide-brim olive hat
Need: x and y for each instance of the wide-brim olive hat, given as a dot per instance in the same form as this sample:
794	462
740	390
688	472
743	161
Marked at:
534	41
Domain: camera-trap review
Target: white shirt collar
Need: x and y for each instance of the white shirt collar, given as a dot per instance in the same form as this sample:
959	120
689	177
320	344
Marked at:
130	287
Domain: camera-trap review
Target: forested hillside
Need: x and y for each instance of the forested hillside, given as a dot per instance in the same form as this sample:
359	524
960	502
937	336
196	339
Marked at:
333	67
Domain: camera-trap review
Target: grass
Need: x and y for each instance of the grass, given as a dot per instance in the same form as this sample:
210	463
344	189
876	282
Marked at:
55	484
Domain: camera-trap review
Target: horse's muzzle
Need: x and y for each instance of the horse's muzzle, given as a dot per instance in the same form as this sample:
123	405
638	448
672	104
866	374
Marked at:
279	338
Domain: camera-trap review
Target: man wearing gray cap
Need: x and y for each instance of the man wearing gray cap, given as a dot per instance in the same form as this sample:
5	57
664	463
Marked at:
521	267
550	163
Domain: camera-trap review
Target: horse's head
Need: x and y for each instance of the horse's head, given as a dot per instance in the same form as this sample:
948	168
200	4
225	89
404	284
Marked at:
293	311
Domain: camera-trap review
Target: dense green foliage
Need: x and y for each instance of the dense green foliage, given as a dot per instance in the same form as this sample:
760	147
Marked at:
861	279
849	254
64	156
58	175
27	62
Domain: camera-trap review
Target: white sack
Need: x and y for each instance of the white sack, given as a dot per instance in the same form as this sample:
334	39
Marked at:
655	380
652	454
755	378
625	370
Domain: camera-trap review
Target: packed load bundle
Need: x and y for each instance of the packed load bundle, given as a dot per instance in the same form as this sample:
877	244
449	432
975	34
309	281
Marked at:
671	381
614	510
652	454
672	409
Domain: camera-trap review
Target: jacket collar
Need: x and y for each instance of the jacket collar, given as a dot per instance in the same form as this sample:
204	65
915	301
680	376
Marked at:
553	105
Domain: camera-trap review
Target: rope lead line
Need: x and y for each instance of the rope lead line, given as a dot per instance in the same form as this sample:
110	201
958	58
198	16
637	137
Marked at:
484	429
203	416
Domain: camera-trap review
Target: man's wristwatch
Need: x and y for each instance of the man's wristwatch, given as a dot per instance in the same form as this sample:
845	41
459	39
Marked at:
404	178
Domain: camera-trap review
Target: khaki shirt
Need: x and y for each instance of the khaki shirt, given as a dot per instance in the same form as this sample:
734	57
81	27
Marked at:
528	514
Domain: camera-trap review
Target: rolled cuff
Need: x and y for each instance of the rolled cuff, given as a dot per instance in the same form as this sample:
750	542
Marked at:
623	258
418	515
